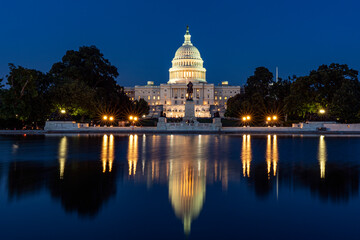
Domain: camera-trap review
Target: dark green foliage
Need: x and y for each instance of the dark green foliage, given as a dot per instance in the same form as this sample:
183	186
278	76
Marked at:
334	88
83	84
140	107
26	98
77	98
262	96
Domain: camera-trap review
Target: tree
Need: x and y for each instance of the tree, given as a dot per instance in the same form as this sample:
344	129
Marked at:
88	68
27	96
77	98
87	65
346	101
258	99
260	82
323	88
140	107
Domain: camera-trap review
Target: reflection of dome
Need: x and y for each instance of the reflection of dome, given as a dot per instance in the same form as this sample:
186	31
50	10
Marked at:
187	64
187	187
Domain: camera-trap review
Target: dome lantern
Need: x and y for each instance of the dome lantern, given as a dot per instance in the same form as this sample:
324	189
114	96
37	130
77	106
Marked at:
187	37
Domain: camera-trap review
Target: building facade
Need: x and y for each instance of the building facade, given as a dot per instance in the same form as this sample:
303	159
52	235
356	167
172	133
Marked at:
169	98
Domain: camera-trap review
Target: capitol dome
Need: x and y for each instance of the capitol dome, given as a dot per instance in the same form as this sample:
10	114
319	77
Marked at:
187	64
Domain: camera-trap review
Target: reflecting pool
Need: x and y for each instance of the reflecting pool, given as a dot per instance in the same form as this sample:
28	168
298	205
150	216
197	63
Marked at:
179	187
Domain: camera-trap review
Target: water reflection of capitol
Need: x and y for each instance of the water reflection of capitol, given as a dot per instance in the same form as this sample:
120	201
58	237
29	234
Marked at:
186	169
187	164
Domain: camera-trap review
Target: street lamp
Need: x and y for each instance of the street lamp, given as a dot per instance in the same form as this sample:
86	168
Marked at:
111	118
322	111
105	117
246	119
272	119
63	111
133	119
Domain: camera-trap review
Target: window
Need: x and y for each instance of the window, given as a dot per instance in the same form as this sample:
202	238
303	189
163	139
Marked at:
154	97
158	97
225	98
148	97
215	97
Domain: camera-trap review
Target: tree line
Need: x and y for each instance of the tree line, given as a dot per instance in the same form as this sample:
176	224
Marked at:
81	87
331	93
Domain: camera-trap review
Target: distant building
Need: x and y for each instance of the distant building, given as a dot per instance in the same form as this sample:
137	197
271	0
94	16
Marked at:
170	98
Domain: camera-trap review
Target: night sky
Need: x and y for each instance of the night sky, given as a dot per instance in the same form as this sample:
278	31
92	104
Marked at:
140	37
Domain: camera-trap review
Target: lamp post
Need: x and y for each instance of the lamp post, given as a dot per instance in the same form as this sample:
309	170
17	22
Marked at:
133	119
111	119
271	119
322	113
246	119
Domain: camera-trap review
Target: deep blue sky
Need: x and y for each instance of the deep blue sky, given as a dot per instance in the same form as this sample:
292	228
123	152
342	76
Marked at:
140	37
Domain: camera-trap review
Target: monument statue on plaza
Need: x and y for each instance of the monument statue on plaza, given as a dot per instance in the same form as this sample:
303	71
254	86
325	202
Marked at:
189	91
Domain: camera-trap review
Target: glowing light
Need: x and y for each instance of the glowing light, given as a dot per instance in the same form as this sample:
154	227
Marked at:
187	187
132	154
322	156
268	118
248	117
274	117
322	111
105	117
272	156
107	152
111	118
135	118
246	155
63	111
62	154
131	117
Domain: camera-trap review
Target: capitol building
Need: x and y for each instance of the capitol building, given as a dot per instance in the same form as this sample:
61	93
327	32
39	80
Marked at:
170	97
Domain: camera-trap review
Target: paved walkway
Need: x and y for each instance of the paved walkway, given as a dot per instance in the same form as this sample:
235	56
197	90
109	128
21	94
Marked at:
154	130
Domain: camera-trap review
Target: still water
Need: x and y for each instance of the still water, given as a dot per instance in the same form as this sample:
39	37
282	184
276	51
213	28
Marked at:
179	187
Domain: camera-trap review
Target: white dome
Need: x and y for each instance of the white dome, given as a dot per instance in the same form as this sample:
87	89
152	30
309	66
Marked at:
187	64
187	52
